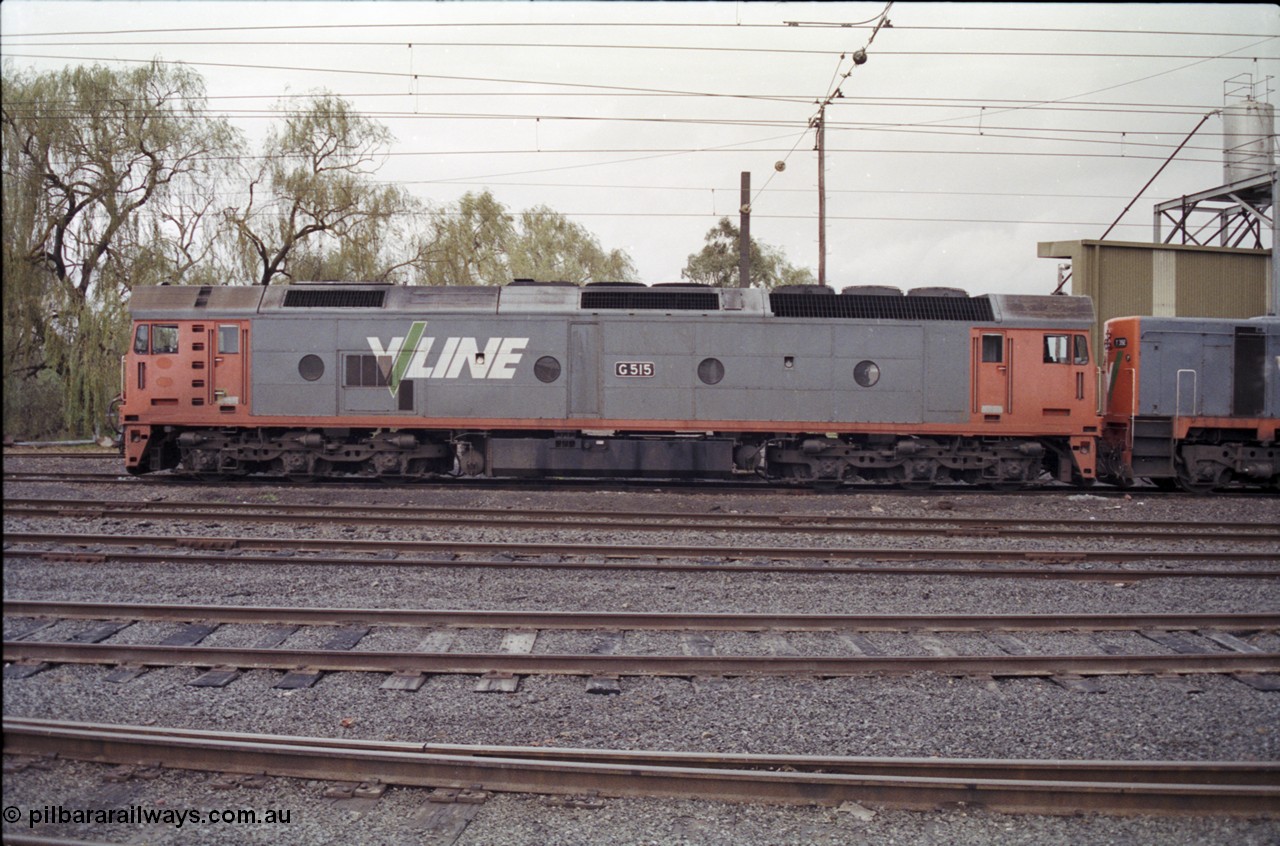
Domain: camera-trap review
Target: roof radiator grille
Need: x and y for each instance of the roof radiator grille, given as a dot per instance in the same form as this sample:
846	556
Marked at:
329	298
847	307
648	300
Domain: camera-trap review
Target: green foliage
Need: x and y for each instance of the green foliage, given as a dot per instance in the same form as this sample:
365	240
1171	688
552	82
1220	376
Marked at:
468	244
717	263
478	242
550	247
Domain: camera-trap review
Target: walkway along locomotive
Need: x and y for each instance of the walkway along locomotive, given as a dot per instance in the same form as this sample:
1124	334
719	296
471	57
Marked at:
616	380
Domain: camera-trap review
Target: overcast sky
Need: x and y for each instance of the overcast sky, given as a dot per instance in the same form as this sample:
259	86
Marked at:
971	132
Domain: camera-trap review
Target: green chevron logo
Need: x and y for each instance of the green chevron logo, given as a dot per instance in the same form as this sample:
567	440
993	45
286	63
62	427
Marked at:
404	356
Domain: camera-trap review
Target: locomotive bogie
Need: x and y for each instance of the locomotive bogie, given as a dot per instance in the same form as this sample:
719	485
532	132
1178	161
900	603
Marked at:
307	454
913	462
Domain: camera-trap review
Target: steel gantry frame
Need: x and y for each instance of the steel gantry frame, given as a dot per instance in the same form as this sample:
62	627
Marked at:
1240	210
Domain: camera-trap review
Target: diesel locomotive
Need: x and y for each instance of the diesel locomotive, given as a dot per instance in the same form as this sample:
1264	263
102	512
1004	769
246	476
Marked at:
624	380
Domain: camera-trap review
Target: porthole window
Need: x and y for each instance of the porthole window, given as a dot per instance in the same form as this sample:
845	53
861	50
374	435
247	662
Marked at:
866	373
710	371
547	369
311	367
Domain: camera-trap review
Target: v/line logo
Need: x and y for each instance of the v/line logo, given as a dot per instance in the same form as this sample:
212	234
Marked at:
410	357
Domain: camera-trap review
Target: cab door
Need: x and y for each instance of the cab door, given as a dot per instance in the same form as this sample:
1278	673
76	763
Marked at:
992	359
230	345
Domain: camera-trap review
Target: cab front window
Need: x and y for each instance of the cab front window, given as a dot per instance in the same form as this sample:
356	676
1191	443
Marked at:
1081	349
164	339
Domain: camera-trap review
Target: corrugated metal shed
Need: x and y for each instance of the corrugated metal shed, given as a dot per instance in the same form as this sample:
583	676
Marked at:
1127	278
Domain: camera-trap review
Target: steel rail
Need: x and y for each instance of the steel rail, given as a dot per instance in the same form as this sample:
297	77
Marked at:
729	779
800	518
751	486
1244	531
680	666
642	621
121	477
613	550
1257	773
1114	575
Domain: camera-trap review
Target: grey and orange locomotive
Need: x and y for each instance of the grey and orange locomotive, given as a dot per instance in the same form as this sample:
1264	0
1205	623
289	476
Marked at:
670	381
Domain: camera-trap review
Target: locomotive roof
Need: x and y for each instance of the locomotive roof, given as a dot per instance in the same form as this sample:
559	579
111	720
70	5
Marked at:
174	302
1268	323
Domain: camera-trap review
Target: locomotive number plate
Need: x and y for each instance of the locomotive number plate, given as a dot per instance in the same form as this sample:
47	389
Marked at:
633	369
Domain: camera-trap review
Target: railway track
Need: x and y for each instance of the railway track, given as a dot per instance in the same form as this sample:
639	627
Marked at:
737	551
1189	643
744	486
642	621
486	518
1016	786
1083	571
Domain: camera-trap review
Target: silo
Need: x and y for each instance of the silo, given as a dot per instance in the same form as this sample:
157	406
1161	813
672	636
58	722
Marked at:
1248	140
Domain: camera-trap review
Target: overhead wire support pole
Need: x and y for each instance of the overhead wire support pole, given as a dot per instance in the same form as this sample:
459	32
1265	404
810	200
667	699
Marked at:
822	195
744	232
1273	308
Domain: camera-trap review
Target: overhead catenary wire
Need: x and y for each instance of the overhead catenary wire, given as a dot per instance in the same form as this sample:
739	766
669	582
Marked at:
676	25
673	48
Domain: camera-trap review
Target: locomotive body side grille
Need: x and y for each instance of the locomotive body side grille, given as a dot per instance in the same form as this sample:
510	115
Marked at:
846	307
642	300
322	298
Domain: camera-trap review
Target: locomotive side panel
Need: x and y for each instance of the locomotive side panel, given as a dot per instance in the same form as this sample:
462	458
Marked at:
1187	370
645	369
947	373
1208	368
762	370
880	374
296	367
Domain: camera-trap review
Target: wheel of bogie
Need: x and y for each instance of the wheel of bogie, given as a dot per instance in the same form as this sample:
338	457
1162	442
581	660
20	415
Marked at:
1201	484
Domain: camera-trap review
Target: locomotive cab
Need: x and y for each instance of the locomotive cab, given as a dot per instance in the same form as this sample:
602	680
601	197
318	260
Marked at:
181	373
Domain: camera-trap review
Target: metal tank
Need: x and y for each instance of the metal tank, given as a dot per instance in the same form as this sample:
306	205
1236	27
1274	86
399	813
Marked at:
1248	140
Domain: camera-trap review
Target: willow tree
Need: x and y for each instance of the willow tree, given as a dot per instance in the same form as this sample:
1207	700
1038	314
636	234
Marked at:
100	165
478	241
717	262
468	242
550	247
313	200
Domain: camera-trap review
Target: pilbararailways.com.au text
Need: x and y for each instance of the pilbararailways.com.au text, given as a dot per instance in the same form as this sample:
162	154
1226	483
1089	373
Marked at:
143	815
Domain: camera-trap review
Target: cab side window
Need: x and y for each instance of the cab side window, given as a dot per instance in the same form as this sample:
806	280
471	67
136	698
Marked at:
993	348
1056	349
142	339
229	339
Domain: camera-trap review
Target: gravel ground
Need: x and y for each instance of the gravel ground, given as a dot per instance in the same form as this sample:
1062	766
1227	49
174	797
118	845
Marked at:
1196	718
